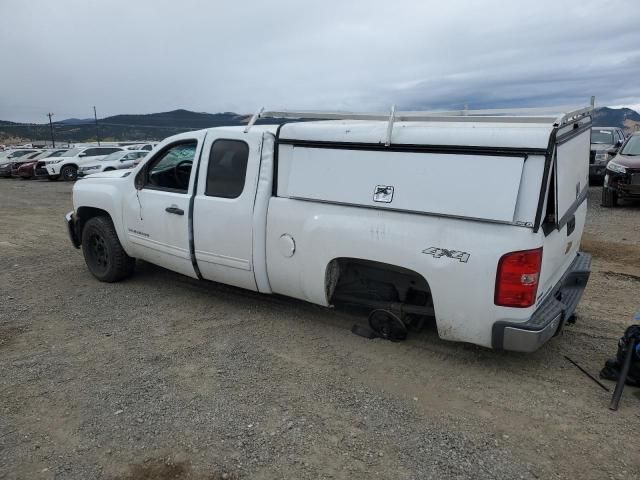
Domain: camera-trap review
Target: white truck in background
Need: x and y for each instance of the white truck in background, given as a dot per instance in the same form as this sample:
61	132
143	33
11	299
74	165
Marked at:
473	218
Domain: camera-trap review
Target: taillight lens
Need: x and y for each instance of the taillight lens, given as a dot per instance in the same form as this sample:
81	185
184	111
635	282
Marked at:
517	278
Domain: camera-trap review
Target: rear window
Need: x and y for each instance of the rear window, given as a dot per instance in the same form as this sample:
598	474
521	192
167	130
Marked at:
227	168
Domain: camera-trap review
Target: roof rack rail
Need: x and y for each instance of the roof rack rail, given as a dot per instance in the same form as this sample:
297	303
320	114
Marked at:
558	116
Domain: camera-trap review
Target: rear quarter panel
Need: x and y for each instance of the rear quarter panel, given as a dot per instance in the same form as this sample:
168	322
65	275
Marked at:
462	292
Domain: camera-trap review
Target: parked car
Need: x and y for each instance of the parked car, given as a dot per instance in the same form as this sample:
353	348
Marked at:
67	167
115	161
39	168
16	156
27	170
622	178
26	160
605	142
361	212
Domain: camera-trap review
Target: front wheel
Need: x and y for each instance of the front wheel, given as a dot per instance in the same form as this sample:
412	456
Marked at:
609	197
69	173
103	253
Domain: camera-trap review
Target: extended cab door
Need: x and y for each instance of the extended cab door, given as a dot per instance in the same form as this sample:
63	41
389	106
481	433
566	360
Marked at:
223	208
157	211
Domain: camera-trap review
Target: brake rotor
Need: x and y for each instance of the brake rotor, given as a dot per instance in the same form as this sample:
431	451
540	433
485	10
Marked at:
387	325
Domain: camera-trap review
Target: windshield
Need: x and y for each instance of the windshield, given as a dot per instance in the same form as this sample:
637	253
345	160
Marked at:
603	137
632	147
59	153
113	156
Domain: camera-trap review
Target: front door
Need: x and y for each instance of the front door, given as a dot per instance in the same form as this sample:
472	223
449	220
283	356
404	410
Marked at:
157	214
223	208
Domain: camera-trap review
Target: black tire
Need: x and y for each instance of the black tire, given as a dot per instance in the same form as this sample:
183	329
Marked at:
609	198
53	178
69	173
103	253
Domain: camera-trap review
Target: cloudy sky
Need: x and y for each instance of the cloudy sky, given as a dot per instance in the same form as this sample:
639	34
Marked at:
145	56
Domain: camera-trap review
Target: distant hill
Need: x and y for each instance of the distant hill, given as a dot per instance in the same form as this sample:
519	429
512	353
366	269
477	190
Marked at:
75	121
614	117
156	126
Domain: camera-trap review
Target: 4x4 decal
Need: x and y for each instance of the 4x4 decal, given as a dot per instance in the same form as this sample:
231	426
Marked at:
436	252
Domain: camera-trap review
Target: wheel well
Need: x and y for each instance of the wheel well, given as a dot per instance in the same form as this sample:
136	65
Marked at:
83	214
69	165
108	169
370	281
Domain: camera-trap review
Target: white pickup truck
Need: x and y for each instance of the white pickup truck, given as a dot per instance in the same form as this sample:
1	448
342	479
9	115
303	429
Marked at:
473	218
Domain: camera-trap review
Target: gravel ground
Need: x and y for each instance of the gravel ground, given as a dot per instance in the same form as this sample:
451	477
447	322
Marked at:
164	377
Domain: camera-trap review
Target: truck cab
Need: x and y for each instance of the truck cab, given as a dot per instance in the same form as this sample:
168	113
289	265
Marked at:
473	221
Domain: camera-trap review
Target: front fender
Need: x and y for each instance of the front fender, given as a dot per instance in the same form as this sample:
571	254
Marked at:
103	194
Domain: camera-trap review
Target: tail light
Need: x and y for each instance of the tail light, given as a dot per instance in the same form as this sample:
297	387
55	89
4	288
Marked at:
517	278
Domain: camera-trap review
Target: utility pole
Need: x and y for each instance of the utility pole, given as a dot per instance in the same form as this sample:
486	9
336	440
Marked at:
53	141
95	116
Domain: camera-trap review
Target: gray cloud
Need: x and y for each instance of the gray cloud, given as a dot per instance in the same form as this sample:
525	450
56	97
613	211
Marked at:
149	56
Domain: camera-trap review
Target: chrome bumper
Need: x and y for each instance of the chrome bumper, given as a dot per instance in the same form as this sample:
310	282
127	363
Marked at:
550	316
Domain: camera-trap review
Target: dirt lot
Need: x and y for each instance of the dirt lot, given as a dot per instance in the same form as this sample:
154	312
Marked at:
163	377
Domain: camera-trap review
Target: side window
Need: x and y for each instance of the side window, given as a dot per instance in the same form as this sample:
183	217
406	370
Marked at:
171	169
129	156
107	151
147	148
90	152
227	168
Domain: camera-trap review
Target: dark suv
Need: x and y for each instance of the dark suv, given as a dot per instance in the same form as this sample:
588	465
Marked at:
605	142
622	176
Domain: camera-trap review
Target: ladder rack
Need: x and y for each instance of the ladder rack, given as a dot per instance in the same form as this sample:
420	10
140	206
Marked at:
558	116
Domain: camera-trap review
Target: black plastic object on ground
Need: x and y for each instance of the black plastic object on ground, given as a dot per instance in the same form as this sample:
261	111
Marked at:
625	367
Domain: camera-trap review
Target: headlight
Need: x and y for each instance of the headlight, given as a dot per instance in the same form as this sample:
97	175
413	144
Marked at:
602	156
51	162
92	167
614	167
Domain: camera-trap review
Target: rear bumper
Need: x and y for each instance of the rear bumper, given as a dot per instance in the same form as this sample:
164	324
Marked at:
550	316
71	229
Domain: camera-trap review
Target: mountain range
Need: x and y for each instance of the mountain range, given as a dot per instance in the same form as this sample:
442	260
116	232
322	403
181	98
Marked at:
156	126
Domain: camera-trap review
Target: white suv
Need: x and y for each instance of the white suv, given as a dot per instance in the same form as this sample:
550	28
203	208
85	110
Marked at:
115	161
67	166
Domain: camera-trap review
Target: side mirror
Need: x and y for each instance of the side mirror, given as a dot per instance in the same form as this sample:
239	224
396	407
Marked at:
618	144
139	180
82	154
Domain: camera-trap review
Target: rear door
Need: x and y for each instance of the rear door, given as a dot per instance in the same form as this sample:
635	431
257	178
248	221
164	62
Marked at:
223	208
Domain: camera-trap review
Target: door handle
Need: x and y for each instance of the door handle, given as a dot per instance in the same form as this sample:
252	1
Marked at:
175	210
571	225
